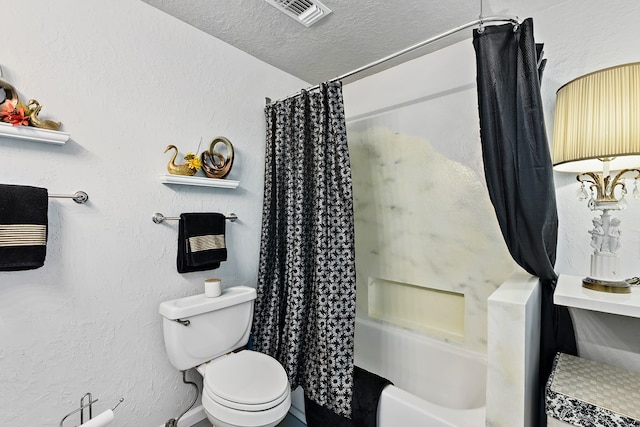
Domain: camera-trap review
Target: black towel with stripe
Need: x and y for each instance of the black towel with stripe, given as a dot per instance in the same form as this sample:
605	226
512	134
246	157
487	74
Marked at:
201	241
23	227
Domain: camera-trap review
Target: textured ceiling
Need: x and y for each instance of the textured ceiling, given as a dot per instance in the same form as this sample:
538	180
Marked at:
357	33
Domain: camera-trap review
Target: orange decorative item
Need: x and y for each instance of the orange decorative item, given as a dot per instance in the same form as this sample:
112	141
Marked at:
214	164
14	114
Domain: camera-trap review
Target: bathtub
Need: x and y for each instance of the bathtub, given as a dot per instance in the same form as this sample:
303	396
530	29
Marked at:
435	384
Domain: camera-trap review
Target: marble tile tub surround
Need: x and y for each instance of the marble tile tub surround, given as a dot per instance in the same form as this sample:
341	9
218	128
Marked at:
422	212
512	353
424	220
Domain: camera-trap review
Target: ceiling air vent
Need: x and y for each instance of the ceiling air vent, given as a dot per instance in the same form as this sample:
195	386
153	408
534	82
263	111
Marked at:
306	12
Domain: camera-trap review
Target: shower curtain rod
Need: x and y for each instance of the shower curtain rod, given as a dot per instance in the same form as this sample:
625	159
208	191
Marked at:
480	22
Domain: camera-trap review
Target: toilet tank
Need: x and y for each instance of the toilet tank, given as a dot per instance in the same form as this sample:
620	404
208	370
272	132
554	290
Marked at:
215	325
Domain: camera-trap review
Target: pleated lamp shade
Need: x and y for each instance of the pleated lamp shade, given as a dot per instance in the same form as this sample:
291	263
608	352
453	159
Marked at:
597	118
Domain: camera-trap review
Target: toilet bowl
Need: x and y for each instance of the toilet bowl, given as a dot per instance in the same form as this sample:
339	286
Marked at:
245	389
241	388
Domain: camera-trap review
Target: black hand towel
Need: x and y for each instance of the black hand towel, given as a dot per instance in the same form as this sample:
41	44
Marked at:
23	227
201	241
364	403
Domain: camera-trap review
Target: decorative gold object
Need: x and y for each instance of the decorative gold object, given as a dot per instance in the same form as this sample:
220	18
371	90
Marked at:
619	287
10	94
20	114
183	169
214	164
34	108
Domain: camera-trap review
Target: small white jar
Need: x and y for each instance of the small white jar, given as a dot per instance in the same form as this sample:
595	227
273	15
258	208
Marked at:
213	287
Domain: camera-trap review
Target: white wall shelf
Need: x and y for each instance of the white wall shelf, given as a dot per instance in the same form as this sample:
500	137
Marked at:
30	133
198	181
569	292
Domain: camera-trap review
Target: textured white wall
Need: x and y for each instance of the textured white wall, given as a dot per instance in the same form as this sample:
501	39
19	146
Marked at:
126	80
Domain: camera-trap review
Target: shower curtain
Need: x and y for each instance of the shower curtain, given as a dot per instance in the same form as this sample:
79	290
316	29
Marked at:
519	173
305	309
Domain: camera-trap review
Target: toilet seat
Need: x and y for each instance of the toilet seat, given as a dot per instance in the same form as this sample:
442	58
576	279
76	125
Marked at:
245	407
246	381
246	388
222	416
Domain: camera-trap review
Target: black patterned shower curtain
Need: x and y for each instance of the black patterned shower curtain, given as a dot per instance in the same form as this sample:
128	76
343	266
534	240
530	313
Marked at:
305	308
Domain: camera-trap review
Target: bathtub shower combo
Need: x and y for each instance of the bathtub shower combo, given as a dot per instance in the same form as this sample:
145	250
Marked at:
423	274
422	285
428	247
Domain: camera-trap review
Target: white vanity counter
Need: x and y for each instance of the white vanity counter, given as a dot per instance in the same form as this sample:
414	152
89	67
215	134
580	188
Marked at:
569	292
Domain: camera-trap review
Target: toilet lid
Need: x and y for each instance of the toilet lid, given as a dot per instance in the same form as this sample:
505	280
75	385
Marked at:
246	378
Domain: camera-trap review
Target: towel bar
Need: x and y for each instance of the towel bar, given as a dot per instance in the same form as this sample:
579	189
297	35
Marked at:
79	197
158	218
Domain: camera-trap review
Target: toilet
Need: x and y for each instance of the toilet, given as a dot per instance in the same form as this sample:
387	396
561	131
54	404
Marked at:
241	388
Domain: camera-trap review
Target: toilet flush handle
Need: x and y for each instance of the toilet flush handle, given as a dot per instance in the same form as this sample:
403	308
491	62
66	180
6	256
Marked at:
183	322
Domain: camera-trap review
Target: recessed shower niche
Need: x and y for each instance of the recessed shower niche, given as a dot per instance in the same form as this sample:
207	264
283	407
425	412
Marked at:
429	310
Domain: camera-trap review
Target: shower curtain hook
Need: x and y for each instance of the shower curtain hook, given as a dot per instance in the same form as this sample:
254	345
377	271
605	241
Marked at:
481	25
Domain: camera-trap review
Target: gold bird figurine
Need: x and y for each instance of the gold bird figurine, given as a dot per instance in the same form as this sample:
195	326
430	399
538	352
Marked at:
34	108
174	169
214	164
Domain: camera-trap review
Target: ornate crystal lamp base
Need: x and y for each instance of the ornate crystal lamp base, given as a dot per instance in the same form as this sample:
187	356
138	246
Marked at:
603	277
605	235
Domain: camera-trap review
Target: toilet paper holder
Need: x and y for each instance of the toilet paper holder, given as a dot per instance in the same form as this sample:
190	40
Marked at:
86	402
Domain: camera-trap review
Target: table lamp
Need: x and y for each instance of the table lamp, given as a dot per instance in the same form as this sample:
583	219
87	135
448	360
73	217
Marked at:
597	135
